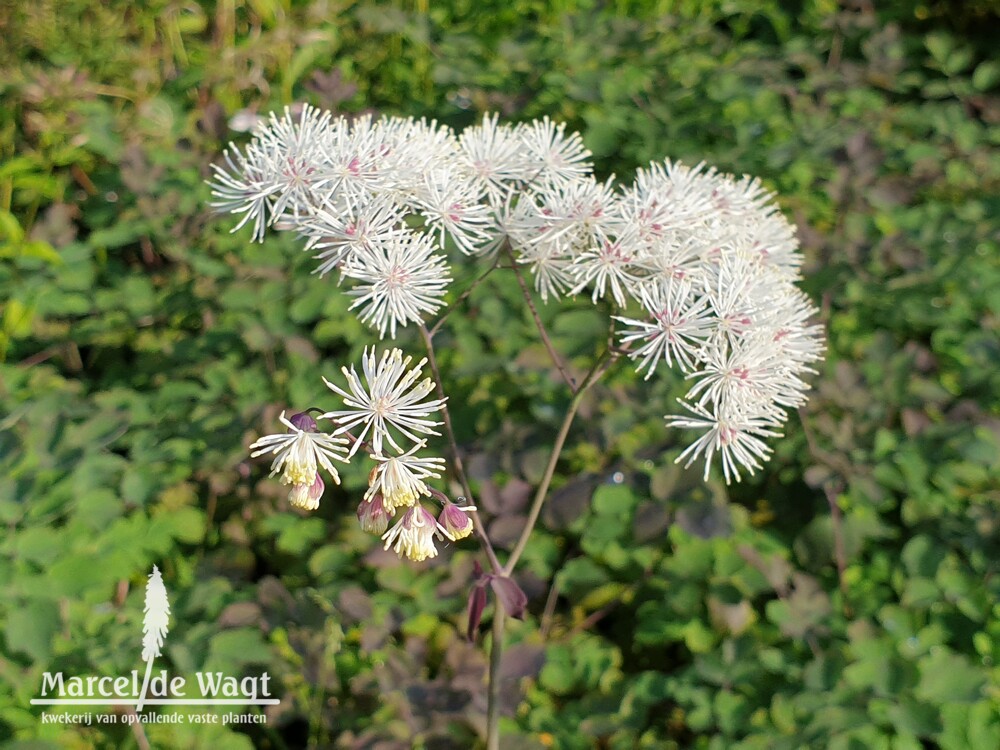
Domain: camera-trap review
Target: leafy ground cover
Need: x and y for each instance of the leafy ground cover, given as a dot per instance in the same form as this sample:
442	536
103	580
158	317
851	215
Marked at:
845	598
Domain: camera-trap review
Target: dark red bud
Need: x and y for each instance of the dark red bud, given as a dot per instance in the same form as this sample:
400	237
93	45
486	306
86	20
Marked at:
477	603
509	594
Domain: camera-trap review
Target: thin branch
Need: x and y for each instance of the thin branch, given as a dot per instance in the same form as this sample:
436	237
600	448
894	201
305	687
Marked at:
464	295
536	506
836	516
556	359
138	731
550	610
493	697
455	453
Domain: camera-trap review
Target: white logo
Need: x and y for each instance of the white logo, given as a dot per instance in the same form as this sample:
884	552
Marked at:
162	689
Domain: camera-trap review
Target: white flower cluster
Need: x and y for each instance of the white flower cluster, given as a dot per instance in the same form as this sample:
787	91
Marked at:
700	265
388	408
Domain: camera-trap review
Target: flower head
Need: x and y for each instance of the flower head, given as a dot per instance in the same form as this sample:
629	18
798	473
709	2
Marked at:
300	451
390	397
281	171
413	535
400	479
736	436
455	521
554	156
307	496
401	281
679	326
492	153
373	516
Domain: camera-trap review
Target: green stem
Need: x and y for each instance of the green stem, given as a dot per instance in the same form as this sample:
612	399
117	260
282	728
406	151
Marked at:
543	489
456	456
496	647
493	694
526	293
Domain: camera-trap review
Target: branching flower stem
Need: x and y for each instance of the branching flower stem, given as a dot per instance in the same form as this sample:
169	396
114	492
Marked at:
556	359
599	368
499	617
464	296
456	454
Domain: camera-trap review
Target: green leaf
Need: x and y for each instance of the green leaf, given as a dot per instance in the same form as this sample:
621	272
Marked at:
30	628
947	677
986	75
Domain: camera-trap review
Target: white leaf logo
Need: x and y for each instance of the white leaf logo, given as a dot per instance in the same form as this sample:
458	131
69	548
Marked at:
154	626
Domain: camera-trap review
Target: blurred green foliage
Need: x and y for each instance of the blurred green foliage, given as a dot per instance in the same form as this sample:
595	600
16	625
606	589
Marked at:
845	598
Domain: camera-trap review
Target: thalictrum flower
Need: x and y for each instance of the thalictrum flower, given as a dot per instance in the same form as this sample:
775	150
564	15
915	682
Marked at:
400	281
389	399
413	535
451	207
708	255
373	516
494	156
555	156
607	266
400	479
339	233
735	436
455	521
298	452
678	328
281	171
307	495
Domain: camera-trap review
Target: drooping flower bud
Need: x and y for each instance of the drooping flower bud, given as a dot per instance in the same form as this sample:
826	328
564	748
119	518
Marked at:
414	534
307	496
372	515
453	519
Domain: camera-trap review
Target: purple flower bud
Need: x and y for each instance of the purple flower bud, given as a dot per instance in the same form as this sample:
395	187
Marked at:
453	519
304	422
372	515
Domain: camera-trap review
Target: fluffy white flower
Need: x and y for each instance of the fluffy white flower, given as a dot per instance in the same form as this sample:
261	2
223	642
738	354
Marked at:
451	207
282	171
355	166
607	267
390	397
735	436
555	156
679	327
749	375
668	257
400	281
494	156
346	232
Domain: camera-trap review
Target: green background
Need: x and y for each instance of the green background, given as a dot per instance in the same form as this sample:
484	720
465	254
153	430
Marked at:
846	597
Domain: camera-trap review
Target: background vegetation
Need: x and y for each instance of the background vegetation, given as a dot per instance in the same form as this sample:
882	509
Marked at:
845	598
